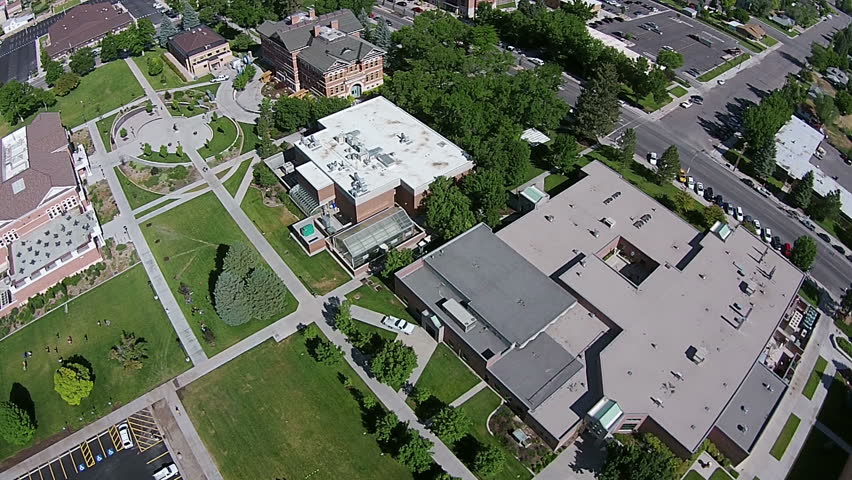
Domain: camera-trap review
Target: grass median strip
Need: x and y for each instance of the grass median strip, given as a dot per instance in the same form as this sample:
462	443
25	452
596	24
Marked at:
233	184
815	378
706	77
136	195
785	437
155	207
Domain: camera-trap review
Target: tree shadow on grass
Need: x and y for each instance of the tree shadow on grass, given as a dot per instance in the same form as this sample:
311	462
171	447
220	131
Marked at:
84	362
467	448
20	397
429	408
221	251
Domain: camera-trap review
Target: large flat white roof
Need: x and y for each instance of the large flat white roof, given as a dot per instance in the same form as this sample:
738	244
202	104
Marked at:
693	299
375	146
15	156
796	143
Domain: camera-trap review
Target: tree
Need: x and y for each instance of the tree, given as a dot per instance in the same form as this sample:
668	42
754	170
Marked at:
111	47
844	101
763	161
82	61
242	43
343	318
448	210
670	59
800	195
681	200
53	70
130	351
668	166
164	151
804	252
65	83
712	214
450	424
489	461
245	289
597	108
562	153
146	150
264	177
827	207
394	363
246	13
240	260
487	194
416	453
637	461
381	36
165	33
826	110
189	17
266	148
628	145
16	425
846	302
230	303
123	132
155	65
19	100
385	427
241	80
741	15
73	382
264	293
145	33
395	260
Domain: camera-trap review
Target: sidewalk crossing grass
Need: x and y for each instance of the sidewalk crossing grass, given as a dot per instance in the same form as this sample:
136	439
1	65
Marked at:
274	412
820	458
127	301
189	242
815	379
446	376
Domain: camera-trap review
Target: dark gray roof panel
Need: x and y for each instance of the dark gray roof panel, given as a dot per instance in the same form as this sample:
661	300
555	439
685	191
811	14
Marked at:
750	408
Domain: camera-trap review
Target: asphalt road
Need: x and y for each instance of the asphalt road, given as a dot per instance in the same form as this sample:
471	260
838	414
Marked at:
693	130
396	20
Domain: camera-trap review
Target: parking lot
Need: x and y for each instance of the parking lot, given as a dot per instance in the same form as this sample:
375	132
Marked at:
143	9
679	32
103	456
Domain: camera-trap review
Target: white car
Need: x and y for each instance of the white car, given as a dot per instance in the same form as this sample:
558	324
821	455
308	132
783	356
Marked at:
398	324
652	158
767	234
757	225
220	78
124	435
536	61
166	472
690	183
739	214
720	82
685	104
699	189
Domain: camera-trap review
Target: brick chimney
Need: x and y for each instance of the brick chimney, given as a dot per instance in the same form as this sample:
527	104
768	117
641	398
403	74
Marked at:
335	24
295	19
312	13
317	29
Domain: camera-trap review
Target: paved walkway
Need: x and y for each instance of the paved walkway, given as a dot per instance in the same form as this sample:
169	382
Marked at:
246	183
469	394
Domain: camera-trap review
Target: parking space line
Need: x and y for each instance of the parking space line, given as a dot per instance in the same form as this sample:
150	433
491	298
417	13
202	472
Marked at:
141	424
63	467
102	446
40	475
49	467
157	457
150	446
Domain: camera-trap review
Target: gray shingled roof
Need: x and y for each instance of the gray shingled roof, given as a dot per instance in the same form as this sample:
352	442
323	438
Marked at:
297	36
323	54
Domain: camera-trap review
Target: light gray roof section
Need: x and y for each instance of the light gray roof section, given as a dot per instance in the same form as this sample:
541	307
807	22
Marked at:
501	286
299	35
324	54
535	372
744	418
51	241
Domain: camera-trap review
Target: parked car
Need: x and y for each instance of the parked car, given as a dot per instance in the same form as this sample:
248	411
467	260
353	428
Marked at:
719	200
839	249
220	78
699	188
697	99
668	48
721	82
776	242
652	158
536	61
729	209
767	234
389	23
824	237
708	194
690	182
124	435
756	223
401	3
787	249
398	324
739	214
807	223
417	10
686	104
166	472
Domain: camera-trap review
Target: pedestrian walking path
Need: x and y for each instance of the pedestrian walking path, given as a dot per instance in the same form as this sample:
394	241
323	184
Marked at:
469	394
246	183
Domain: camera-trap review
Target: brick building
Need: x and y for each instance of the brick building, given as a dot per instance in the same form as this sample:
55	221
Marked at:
84	26
48	229
201	50
322	54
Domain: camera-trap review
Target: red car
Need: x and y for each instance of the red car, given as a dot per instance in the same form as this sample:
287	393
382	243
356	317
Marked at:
417	10
787	249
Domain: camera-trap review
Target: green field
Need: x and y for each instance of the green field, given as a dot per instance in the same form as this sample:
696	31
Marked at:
250	140
810	293
155	207
103	90
319	273
820	458
136	196
169	157
446	376
128	303
785	437
693	475
104	125
224	135
815	379
187	241
835	411
678	91
478	408
706	77
382	301
169	78
233	184
274	412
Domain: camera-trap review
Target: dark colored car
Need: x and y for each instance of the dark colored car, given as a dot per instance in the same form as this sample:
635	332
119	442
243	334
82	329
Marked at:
824	237
839	249
719	200
708	194
776	242
697	99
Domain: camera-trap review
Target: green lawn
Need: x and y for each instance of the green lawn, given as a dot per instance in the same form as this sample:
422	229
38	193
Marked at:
66	5
383	301
780	445
250	139
274	412
706	77
320	273
185	98
769	41
720	474
187	241
128	303
104	125
693	475
678	91
478	408
531	173
224	135
169	78
835	412
780	28
810	293
169	157
136	195
815	379
820	458
105	89
446	376
155	207
233	184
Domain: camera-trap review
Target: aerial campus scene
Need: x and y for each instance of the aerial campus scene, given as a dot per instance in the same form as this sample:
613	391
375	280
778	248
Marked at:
428	240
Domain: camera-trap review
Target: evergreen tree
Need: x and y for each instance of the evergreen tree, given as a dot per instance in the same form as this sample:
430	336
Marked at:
166	32
668	166
381	36
266	148
230	303
16	425
265	293
628	145
189	17
800	195
239	260
130	351
562	153
763	161
597	108
827	207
